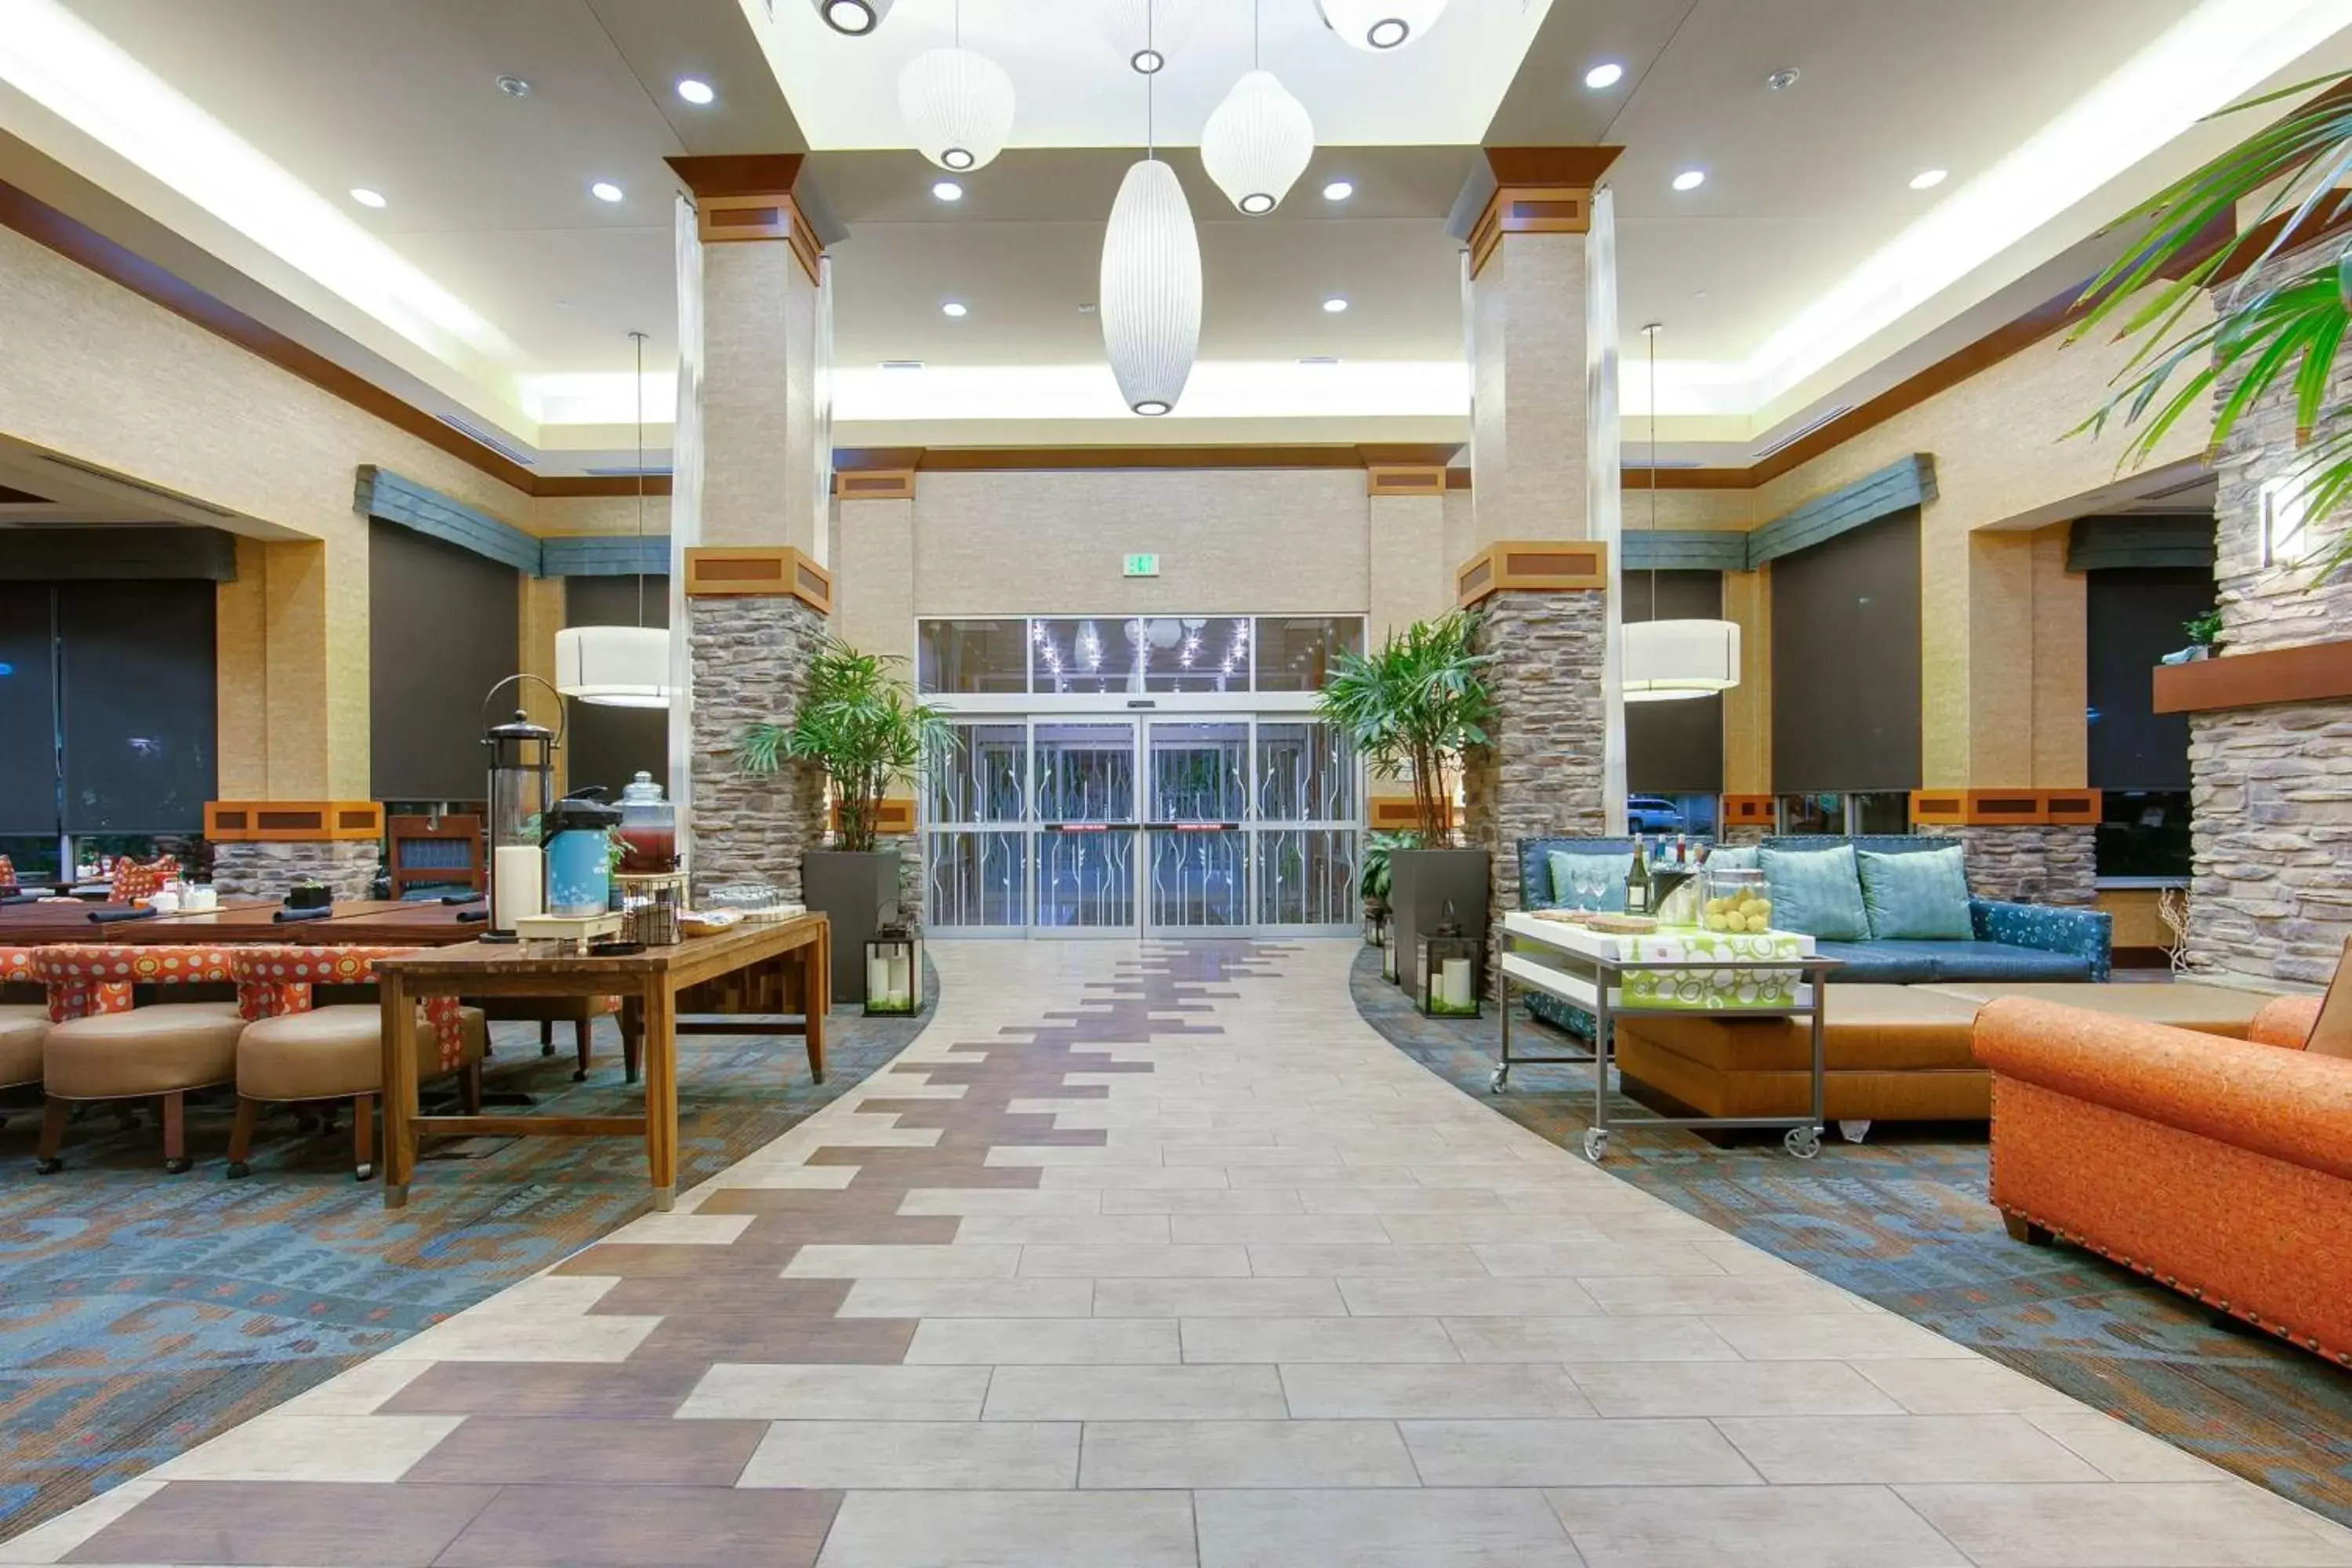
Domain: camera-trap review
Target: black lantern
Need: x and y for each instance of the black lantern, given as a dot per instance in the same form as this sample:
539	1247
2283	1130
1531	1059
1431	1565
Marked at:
1449	978
1376	925
521	788
893	969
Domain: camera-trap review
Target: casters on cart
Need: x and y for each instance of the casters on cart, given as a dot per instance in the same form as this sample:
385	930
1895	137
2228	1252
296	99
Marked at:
178	1165
1804	1143
237	1171
1854	1130
1500	1081
49	1166
1596	1144
363	1172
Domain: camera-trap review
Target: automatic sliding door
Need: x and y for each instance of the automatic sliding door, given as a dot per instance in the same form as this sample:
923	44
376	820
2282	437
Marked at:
1307	836
976	859
1086	828
1196	802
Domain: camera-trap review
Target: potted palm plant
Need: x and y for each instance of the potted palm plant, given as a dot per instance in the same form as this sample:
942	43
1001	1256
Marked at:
1412	706
863	725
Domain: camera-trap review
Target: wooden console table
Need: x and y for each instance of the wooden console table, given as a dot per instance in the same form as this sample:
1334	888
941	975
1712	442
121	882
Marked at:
749	970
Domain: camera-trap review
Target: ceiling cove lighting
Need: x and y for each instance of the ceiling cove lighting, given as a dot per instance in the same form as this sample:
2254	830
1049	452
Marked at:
1380	25
1150	294
855	17
958	105
1672	661
1928	179
367	198
1690	179
695	90
946	191
620	667
1339	190
1604	76
605	191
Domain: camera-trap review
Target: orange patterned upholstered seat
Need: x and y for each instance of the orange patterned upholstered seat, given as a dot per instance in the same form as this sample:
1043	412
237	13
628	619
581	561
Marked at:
2221	1168
136	881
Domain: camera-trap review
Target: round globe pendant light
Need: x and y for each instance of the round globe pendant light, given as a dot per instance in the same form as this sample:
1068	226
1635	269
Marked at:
619	667
1380	25
958	105
1671	662
1149	296
1258	141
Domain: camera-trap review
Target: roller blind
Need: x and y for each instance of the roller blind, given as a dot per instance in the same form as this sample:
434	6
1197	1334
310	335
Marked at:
441	633
1846	661
29	760
1675	748
2133	618
136	685
609	746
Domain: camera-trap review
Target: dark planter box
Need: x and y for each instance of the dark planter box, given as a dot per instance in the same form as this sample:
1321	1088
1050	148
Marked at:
1422	882
852	890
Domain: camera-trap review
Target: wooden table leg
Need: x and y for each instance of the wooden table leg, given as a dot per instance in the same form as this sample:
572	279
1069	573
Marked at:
661	1090
816	993
399	1031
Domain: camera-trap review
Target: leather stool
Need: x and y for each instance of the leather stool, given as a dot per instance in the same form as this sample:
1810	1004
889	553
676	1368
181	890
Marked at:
159	1051
337	1053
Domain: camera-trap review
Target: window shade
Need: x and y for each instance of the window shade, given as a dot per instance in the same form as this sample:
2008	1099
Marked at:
441	633
2133	618
28	761
1675	748
1846	661
610	746
138	696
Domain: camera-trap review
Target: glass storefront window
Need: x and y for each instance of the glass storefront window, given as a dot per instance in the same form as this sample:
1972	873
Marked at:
1879	811
2143	833
34	857
972	656
1812	813
1295	653
980	775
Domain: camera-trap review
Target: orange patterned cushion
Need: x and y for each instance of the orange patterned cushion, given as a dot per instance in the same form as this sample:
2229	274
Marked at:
273	981
87	978
137	881
7	874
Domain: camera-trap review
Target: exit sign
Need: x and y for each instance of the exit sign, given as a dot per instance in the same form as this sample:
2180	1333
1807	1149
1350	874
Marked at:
1143	566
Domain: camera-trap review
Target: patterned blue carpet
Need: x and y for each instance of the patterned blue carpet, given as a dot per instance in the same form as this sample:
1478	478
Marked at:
141	1313
1903	1220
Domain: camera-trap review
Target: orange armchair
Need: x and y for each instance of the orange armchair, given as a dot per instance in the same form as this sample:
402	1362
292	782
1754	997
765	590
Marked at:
2220	1168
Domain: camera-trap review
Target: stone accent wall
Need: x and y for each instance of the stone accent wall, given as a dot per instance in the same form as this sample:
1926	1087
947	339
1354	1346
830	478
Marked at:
2271	787
2051	864
347	866
751	662
1542	775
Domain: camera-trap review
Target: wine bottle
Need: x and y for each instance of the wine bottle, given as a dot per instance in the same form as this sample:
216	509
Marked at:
1637	881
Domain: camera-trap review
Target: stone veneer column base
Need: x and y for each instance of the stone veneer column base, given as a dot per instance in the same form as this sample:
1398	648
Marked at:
2040	864
751	659
1542	774
2272	835
346	866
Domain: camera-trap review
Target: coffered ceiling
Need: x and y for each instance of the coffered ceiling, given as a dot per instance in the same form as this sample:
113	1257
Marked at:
492	286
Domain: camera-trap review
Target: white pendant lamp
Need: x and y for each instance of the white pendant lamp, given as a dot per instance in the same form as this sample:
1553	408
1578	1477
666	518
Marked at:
1380	25
1258	141
1150	300
958	105
1672	661
619	667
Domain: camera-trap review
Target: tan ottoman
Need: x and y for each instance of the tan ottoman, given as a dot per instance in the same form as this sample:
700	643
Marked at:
1894	1053
2202	1009
160	1051
24	1026
329	1054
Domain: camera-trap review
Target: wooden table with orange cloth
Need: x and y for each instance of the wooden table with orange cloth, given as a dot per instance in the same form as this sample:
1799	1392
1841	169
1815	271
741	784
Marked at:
778	973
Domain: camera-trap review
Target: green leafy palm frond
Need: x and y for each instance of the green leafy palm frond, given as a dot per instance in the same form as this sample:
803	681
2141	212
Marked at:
1416	702
861	723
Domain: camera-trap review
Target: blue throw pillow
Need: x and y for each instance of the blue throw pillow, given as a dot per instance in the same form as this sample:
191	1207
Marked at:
1732	856
1588	879
1917	895
1818	891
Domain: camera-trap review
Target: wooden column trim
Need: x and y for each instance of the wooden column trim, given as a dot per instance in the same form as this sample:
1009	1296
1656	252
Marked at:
291	821
744	198
2006	807
1537	190
874	484
1746	811
755	572
1405	479
1533	565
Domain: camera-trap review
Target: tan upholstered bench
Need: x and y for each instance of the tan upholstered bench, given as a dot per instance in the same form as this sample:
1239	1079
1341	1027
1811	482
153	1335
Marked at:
24	1028
159	1051
336	1053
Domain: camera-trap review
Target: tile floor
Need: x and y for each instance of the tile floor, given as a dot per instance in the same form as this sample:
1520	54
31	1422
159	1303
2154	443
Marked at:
1158	1254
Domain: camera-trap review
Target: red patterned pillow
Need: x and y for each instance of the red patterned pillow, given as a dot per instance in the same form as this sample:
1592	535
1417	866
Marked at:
7	875
137	881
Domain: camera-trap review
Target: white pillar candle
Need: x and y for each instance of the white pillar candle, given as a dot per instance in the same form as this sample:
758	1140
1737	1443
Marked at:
901	979
878	977
518	875
1454	983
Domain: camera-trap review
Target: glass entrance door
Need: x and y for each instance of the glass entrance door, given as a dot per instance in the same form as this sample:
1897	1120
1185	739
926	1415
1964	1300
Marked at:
1195	830
1086	815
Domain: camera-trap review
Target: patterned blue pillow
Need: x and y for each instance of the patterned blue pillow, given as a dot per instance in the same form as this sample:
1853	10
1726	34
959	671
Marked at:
1588	879
1916	895
1818	891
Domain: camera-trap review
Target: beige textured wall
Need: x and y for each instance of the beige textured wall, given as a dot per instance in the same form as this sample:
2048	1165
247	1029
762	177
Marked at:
759	314
874	577
1528	437
538	616
2002	461
1747	707
1228	540
1411	580
553	517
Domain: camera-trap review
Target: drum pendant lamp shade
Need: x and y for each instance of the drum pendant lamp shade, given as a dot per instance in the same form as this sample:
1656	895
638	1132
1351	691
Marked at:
1666	661
1150	302
958	107
1381	26
613	667
1257	143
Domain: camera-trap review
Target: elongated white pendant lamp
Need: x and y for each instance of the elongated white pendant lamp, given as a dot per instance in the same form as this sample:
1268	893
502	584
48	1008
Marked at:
958	105
620	667
1381	26
1670	661
1259	140
1150	300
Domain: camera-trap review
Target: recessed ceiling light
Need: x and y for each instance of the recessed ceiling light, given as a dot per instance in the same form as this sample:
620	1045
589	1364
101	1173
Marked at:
1339	190
1320	361
902	364
514	87
605	191
955	307
855	18
1928	179
1334	305
947	190
1690	179
1784	78
693	89
1607	74
365	197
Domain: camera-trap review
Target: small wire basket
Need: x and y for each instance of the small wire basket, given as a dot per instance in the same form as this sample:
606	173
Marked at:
650	904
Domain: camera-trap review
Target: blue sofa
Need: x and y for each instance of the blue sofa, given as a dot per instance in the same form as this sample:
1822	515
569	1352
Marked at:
2013	942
